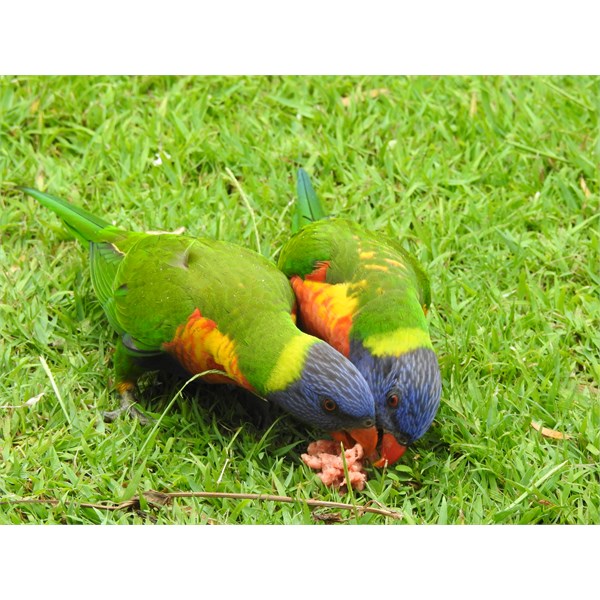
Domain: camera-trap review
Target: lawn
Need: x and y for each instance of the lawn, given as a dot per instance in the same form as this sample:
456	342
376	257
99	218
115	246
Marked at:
491	181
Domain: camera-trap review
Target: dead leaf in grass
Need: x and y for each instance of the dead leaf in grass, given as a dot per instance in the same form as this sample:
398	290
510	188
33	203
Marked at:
34	106
584	188
157	498
327	517
550	433
346	100
31	402
544	502
379	92
473	105
34	399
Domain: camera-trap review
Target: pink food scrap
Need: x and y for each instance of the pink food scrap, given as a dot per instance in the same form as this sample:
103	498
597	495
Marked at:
325	456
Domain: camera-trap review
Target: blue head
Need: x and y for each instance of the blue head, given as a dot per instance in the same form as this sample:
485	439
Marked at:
331	395
406	390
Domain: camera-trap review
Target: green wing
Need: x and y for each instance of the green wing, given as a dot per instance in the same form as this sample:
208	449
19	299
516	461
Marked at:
164	278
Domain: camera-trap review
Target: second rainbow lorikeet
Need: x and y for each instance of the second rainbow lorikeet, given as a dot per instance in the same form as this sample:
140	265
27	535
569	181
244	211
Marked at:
368	297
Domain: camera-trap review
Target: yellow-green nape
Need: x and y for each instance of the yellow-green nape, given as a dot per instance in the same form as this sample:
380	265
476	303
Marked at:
290	363
400	341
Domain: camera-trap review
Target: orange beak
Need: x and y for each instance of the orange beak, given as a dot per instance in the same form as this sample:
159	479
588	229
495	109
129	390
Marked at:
391	451
367	438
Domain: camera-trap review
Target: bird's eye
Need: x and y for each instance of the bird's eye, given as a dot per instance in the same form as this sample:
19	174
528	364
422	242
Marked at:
329	405
393	400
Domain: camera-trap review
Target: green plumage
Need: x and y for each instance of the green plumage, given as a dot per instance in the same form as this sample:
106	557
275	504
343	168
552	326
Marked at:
396	289
149	285
212	305
367	296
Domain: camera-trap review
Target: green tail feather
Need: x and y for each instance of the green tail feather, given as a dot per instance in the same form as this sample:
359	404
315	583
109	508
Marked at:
308	205
81	223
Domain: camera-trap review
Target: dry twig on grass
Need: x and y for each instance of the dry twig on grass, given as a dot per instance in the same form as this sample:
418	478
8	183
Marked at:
159	499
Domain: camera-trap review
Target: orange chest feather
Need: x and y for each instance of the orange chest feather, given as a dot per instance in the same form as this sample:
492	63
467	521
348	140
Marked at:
326	311
199	346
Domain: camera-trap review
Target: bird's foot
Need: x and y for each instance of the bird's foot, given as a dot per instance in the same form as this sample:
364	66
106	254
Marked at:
128	402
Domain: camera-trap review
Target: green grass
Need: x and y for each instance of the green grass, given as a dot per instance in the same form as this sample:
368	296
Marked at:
492	182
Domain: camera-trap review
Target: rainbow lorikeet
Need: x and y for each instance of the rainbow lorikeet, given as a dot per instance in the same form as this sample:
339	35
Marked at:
368	297
213	305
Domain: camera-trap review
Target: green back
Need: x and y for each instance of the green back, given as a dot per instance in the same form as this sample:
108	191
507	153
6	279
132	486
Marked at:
164	278
356	255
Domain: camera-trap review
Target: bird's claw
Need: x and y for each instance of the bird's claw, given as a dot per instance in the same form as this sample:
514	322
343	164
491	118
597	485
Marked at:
128	402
